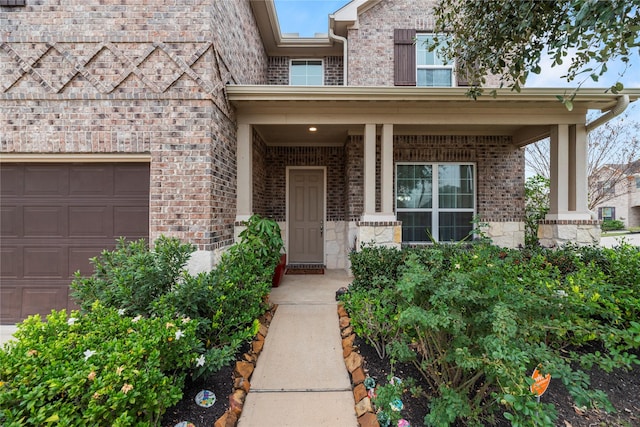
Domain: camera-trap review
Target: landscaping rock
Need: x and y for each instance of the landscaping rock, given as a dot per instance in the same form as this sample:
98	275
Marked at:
359	392
363	407
353	361
244	369
368	420
357	376
236	402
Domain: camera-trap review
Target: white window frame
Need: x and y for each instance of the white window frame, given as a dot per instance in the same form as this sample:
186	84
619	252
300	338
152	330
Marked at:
435	202
420	45
307	60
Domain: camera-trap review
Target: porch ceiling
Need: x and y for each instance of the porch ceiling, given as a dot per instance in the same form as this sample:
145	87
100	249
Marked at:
283	114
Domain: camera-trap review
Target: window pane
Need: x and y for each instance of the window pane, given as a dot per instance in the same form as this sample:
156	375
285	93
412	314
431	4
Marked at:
423	56
416	226
414	186
306	73
454	226
455	186
432	77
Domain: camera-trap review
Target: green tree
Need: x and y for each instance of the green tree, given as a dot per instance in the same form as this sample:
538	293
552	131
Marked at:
536	191
508	38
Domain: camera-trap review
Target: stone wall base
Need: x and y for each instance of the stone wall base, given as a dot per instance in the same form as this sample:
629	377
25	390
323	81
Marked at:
506	234
556	233
385	233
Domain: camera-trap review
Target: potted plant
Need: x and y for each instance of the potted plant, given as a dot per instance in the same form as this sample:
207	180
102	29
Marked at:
264	235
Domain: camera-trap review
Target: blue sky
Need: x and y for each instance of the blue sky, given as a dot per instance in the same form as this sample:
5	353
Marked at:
307	17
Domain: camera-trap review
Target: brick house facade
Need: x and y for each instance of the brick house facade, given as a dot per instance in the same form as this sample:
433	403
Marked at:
199	93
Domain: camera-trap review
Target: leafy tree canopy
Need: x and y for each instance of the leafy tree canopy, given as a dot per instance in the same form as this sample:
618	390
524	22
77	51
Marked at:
509	38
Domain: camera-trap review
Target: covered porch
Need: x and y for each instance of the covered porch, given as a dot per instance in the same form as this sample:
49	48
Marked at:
339	186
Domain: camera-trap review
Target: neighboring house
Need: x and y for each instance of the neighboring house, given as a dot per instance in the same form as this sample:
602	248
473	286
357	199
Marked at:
618	193
184	118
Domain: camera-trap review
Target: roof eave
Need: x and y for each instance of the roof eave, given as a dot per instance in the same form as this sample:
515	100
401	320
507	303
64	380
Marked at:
587	98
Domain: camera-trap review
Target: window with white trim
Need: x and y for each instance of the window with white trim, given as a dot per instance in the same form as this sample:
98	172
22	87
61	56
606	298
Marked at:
435	200
431	69
306	72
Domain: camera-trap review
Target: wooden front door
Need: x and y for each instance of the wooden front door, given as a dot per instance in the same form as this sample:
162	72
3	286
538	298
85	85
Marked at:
306	216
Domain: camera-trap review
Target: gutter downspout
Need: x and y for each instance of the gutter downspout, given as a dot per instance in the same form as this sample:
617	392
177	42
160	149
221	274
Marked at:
621	105
343	40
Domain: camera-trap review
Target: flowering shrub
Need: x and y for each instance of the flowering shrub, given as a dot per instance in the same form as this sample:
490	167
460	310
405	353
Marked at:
476	320
102	368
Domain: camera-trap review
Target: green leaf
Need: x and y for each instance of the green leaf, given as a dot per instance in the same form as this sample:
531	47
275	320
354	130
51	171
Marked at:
52	419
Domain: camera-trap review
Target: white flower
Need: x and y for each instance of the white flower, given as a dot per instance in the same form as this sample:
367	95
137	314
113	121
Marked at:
458	266
136	319
122	311
179	334
186	320
88	354
200	361
71	321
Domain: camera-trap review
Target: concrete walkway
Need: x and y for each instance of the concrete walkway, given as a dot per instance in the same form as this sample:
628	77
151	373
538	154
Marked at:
300	378
6	333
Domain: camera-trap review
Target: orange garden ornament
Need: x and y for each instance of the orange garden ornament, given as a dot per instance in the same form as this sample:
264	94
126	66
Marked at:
541	383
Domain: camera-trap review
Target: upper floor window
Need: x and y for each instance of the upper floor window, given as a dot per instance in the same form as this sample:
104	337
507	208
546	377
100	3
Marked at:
637	181
304	72
432	69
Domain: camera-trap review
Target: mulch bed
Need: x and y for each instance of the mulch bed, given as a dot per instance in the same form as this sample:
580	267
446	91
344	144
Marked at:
622	387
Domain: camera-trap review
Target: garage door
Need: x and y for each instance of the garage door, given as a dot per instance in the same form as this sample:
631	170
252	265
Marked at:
53	218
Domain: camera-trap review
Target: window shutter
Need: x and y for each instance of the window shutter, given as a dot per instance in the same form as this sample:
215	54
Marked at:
613	213
404	53
600	214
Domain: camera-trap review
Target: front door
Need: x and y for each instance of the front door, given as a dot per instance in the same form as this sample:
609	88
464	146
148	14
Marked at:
306	216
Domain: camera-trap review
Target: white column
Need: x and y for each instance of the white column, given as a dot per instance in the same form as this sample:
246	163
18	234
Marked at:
386	169
244	164
369	172
568	174
581	157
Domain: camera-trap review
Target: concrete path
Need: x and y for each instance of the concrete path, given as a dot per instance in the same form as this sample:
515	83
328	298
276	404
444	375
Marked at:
609	242
300	378
6	333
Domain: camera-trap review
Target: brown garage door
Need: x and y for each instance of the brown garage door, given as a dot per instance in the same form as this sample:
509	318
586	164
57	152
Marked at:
53	218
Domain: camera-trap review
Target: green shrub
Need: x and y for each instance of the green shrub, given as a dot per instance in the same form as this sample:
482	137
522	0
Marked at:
132	277
612	224
102	368
373	316
263	236
373	262
475	321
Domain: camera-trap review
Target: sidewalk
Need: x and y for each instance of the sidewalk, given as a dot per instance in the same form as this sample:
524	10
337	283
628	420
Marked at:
300	378
6	333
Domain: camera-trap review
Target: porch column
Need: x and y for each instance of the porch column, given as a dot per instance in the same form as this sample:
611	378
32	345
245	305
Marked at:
569	219
369	172
568	192
580	158
386	169
244	172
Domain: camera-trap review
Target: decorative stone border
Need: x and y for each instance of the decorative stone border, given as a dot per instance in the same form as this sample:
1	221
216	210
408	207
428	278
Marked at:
354	363
243	371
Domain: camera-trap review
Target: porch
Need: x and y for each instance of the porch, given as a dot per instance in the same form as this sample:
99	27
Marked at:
363	134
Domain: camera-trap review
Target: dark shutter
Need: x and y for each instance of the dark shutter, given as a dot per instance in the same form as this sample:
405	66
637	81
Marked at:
12	2
600	214
404	51
613	213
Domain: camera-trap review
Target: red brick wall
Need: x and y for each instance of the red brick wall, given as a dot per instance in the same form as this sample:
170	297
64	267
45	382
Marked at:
123	77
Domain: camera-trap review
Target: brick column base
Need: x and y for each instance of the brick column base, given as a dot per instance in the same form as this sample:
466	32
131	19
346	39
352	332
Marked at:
555	233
